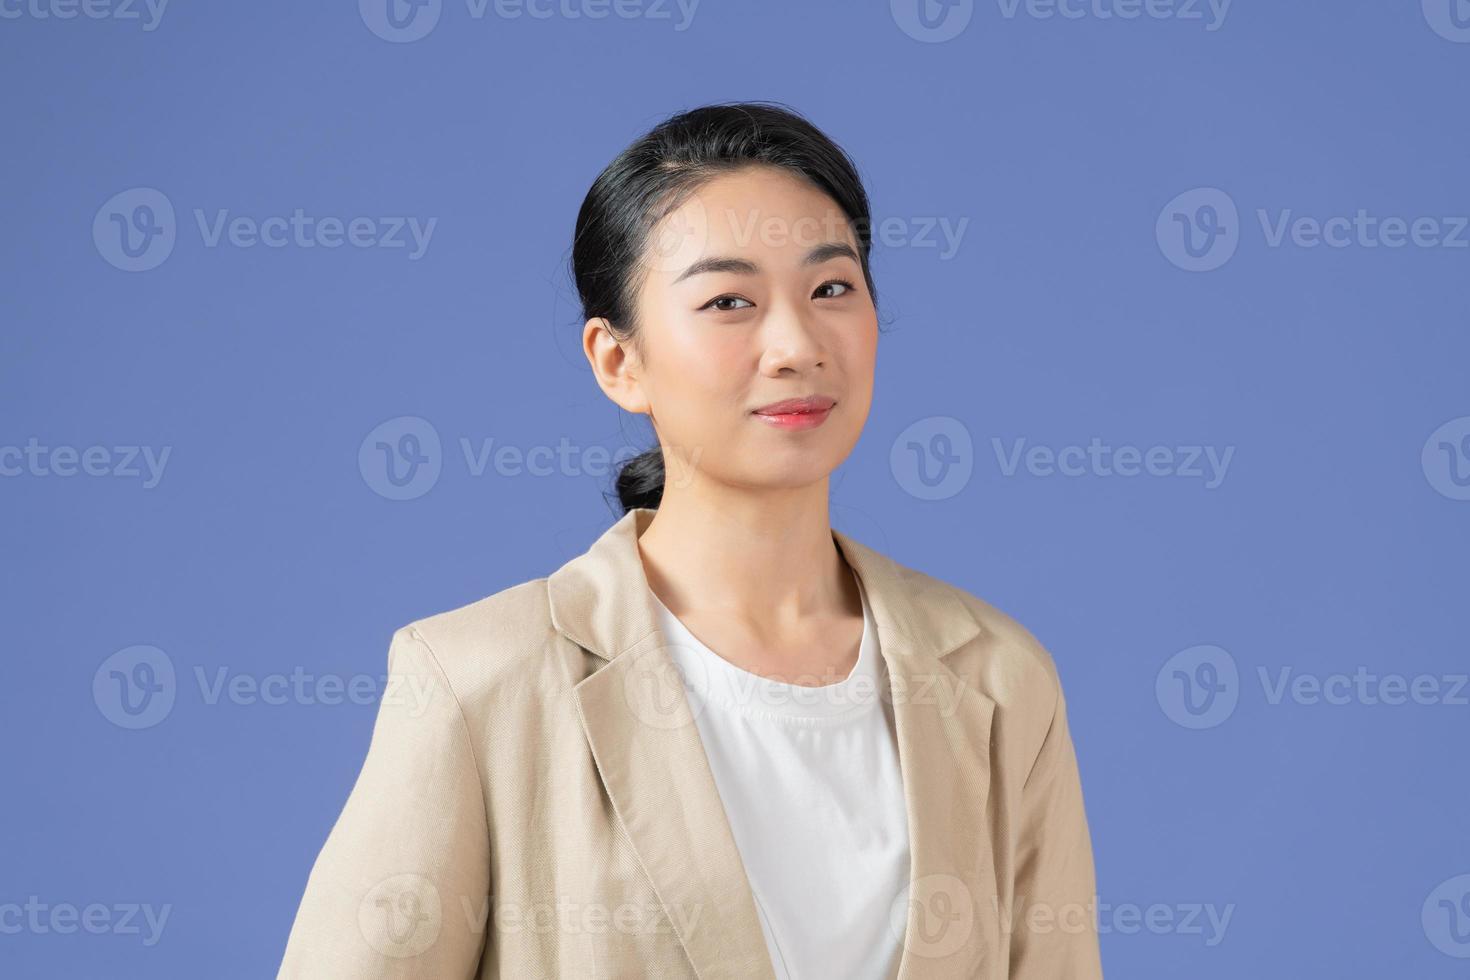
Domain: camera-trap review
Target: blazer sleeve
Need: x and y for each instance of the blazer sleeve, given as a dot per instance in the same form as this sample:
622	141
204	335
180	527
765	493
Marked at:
401	887
1055	908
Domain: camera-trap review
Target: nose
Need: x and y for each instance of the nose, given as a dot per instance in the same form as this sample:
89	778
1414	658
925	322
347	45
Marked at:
793	343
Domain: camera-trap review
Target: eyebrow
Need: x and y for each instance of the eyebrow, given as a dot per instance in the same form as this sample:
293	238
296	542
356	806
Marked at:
718	263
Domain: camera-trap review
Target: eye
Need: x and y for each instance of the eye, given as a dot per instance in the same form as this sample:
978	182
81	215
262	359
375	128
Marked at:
727	298
847	287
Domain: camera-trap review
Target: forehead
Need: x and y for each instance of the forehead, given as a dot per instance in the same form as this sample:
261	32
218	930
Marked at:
754	210
772	189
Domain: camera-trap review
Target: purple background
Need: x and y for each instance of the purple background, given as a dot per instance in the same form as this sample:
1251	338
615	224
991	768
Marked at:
265	548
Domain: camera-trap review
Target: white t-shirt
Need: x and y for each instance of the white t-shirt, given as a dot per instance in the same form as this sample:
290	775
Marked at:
809	778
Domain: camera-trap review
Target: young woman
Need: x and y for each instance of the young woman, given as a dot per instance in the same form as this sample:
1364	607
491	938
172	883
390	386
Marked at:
727	741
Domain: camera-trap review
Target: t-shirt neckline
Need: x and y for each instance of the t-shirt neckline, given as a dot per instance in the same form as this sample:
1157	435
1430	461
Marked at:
719	682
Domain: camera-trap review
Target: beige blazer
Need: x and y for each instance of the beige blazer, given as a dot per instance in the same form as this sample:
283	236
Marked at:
536	801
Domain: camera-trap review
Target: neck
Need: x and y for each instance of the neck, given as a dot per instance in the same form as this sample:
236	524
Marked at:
767	557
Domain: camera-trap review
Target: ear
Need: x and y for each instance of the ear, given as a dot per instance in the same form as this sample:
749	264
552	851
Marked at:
615	367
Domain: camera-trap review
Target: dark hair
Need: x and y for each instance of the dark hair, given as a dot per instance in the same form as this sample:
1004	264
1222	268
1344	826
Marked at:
653	177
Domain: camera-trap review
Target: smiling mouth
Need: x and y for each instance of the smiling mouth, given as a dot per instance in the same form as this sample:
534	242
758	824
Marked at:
811	404
796	413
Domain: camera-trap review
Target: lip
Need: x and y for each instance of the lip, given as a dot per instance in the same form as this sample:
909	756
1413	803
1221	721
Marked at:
793	406
797	413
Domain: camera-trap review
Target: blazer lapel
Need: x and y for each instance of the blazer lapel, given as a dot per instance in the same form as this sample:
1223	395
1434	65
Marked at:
648	752
651	759
950	917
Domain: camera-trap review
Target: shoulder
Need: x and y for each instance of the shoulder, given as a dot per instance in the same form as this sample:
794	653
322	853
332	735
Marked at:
1016	671
968	632
1011	641
507	619
506	636
1004	659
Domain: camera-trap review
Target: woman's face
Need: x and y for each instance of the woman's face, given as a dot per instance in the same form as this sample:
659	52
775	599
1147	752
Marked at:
753	294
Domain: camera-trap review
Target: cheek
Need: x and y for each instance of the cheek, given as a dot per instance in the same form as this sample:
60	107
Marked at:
861	352
714	392
869	350
860	356
698	368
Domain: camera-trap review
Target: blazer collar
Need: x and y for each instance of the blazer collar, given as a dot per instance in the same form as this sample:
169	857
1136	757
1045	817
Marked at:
649	755
600	599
